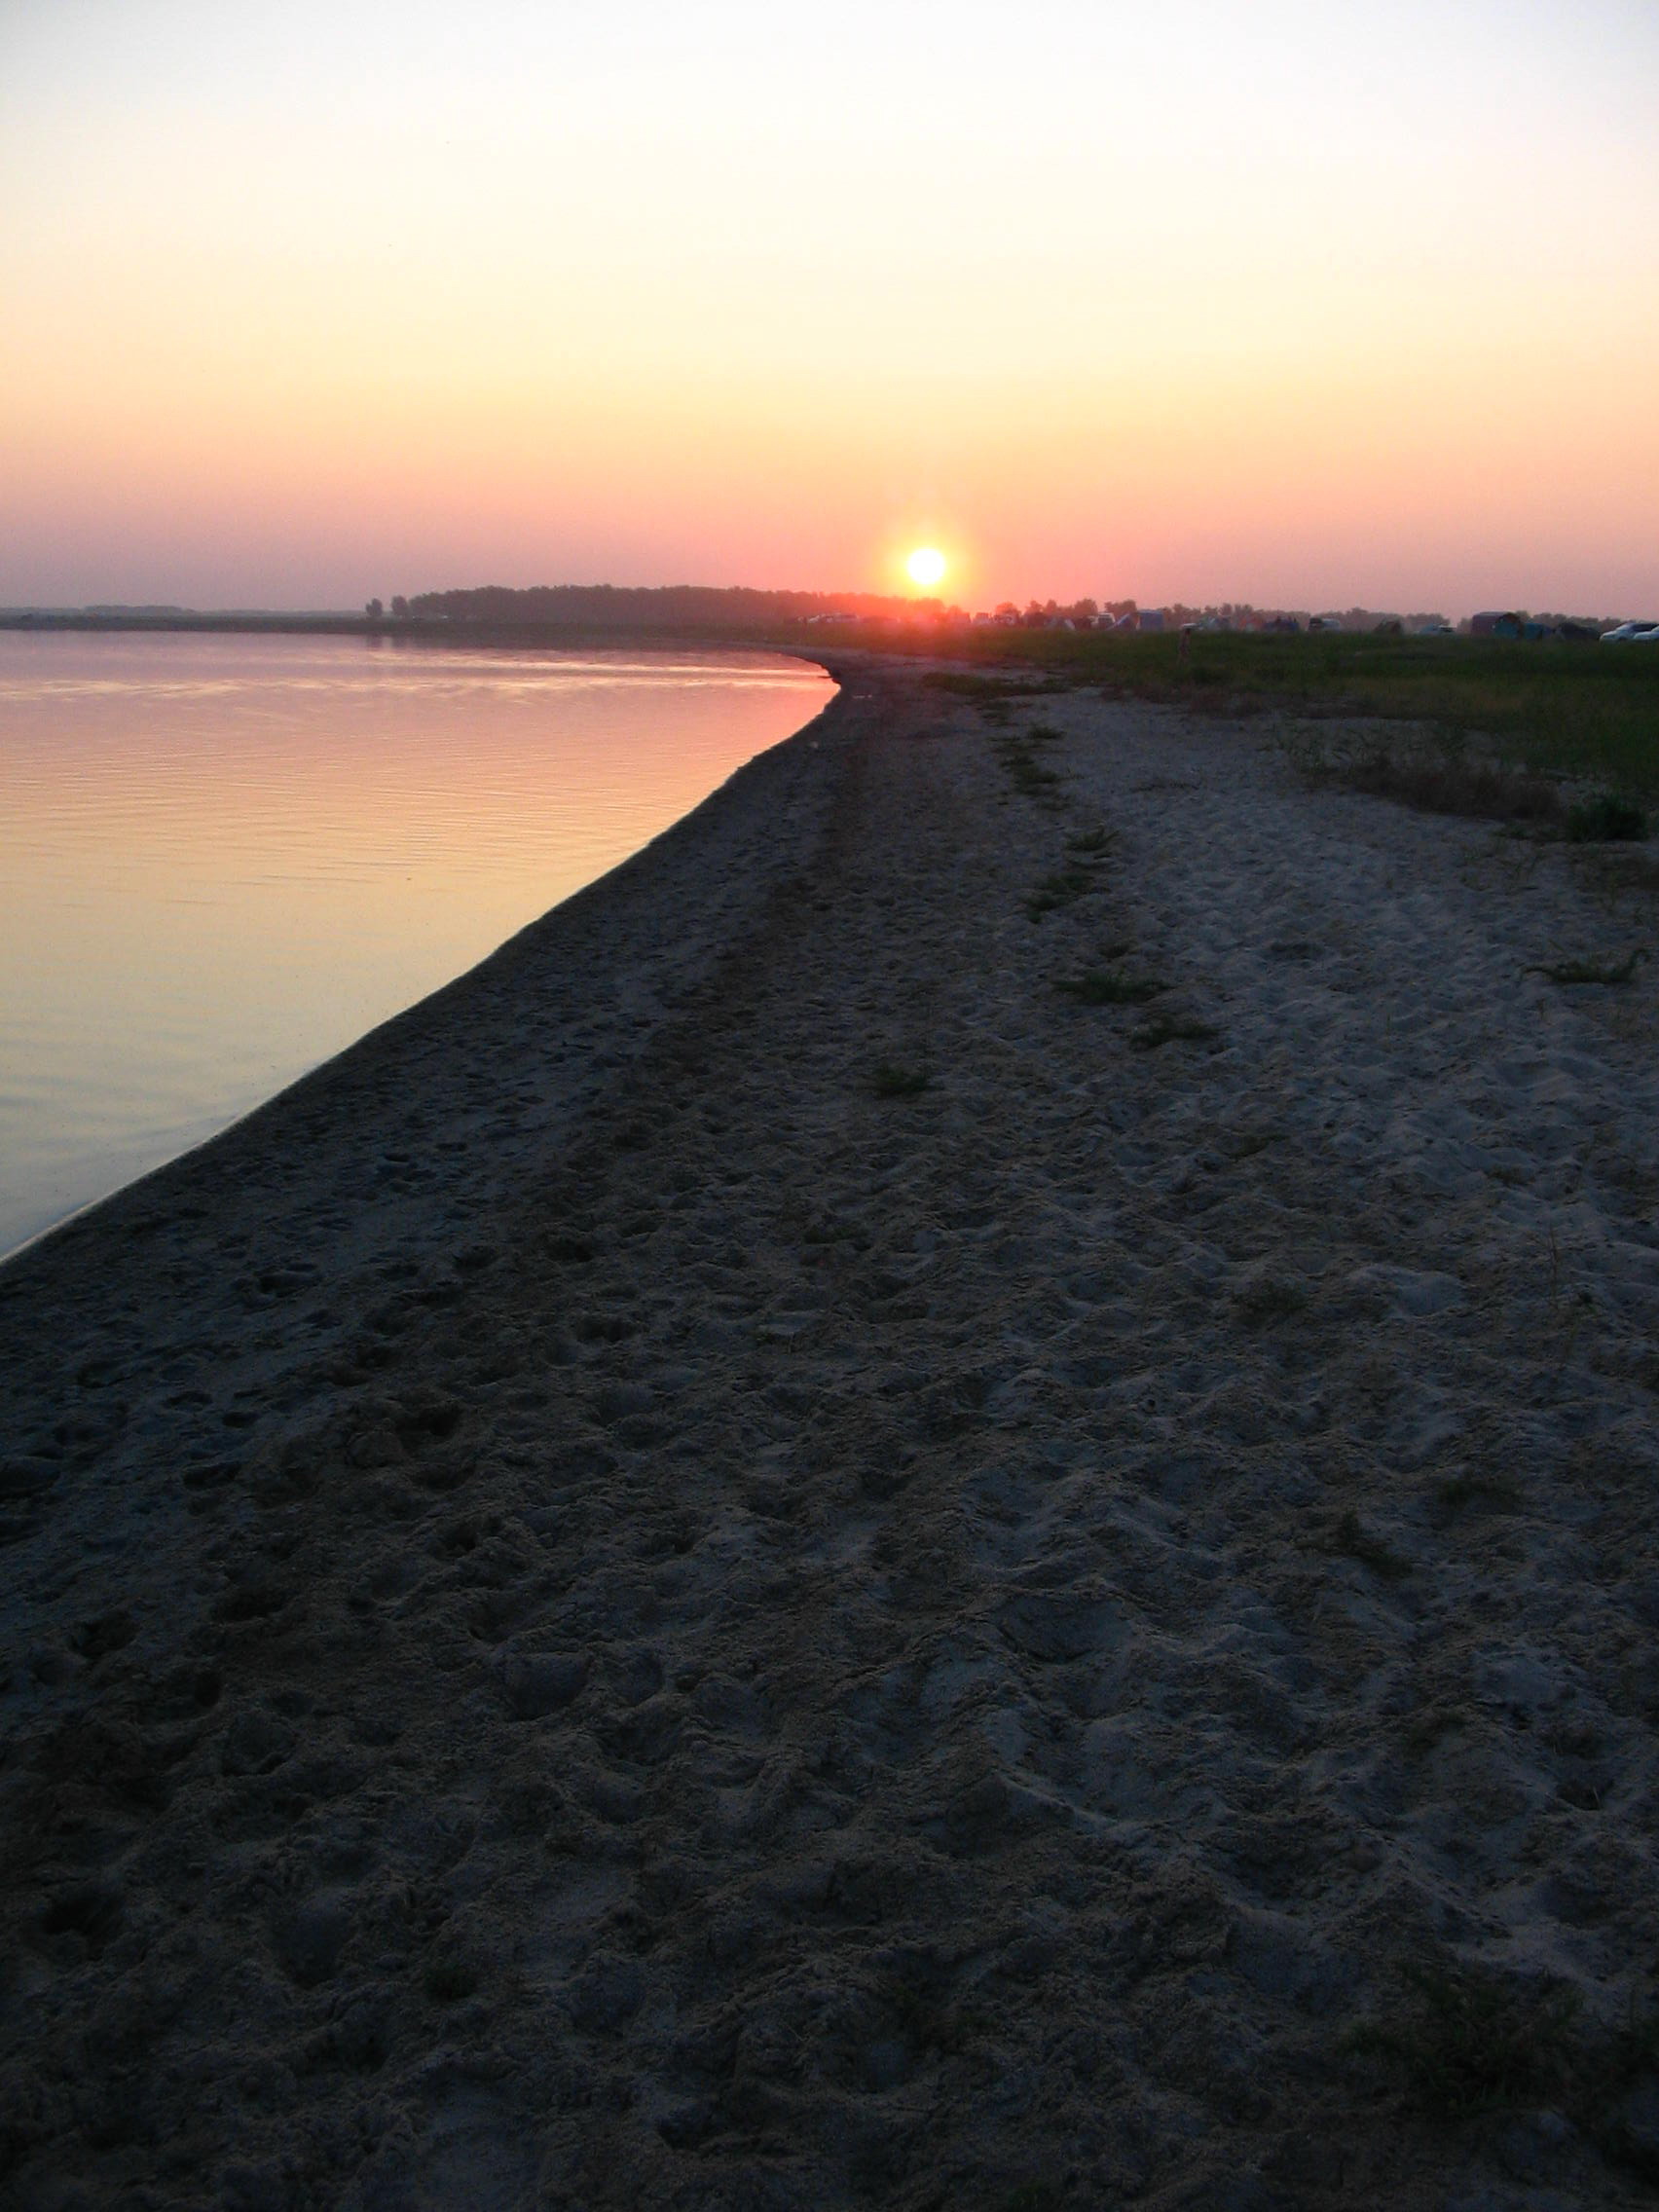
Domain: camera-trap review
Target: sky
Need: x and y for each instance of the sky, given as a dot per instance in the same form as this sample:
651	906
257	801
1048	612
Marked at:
1297	304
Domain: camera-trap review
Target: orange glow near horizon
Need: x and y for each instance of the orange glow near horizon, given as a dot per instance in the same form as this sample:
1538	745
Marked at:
1229	310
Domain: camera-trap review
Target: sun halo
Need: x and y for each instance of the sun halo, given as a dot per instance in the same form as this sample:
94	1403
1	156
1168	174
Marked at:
926	565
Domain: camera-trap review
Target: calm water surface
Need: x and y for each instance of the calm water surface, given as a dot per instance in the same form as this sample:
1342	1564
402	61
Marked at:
223	859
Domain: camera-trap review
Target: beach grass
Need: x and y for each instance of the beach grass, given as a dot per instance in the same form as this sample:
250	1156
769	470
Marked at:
1110	987
1582	711
1613	971
891	1082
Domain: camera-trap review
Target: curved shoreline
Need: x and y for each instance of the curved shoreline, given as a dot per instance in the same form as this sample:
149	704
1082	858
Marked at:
724	822
152	1017
392	1154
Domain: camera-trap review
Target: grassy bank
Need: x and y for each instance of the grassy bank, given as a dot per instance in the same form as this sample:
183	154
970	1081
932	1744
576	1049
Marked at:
1587	712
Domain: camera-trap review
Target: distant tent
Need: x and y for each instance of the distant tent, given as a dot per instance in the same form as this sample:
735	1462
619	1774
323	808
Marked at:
1492	625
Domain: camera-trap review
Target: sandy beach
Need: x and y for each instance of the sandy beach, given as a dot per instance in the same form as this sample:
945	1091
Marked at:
764	1559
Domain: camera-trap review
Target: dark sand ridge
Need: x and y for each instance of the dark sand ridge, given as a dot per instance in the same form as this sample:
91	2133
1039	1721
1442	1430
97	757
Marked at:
600	1615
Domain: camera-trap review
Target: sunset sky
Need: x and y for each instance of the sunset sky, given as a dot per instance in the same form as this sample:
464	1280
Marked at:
1289	303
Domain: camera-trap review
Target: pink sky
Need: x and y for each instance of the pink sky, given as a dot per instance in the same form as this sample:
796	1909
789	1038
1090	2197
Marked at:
1197	303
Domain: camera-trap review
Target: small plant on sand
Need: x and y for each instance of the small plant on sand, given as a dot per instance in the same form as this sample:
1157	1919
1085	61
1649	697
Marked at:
1425	1729
1244	1144
890	1082
1063	888
1457	1494
983	688
1170	1029
1091	845
1110	987
1351	1540
1025	770
1034	2197
1606	819
1613	971
1471	2043
1468	2042
449	1980
1262	1303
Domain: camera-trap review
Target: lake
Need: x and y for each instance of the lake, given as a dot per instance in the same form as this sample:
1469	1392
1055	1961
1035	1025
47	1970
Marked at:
222	859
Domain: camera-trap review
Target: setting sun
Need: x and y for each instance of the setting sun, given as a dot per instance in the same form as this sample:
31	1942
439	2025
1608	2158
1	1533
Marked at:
926	565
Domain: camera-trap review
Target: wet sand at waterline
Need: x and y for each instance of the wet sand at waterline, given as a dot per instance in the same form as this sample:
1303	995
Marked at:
756	1559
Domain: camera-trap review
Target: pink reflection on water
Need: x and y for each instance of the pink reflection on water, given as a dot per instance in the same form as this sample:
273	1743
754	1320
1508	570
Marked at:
222	859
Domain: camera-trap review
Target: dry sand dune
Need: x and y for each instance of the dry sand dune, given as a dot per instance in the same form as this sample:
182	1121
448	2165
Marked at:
610	1606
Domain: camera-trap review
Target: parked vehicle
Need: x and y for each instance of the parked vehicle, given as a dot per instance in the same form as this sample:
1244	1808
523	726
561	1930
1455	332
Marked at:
1628	634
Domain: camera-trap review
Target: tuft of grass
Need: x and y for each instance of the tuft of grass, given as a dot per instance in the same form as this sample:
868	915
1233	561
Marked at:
1591	971
1034	2197
1446	783
890	1082
1425	1729
1244	1144
1063	888
1623	872
1351	1540
1554	710
1458	1493
449	1981
982	689
1170	1029
1471	2043
1019	762
1090	844
1110	987
1606	819
1468	2042
1263	1302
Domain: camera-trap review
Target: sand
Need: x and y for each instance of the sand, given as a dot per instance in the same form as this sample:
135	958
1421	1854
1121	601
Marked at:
600	1614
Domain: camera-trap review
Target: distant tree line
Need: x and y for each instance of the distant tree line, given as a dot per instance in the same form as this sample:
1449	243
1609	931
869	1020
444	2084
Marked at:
673	607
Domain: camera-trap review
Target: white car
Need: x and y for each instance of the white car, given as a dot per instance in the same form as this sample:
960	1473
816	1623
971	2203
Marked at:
1632	634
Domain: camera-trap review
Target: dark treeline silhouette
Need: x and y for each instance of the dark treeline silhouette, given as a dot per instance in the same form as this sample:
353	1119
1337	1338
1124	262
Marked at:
673	607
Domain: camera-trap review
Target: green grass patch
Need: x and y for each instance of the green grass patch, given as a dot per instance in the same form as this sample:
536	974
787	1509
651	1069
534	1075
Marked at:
1351	1540
1470	2043
1615	972
1063	888
449	1981
1263	1302
1170	1029
984	690
1465	2042
1585	711
1606	819
1442	779
1110	987
1034	2197
888	1081
1458	1493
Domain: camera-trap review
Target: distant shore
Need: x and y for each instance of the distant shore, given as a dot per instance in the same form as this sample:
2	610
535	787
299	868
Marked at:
412	629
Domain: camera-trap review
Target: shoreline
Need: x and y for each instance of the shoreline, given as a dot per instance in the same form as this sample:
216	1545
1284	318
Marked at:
637	970
208	1128
777	1553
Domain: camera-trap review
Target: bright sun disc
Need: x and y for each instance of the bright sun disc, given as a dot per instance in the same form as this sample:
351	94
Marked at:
925	565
